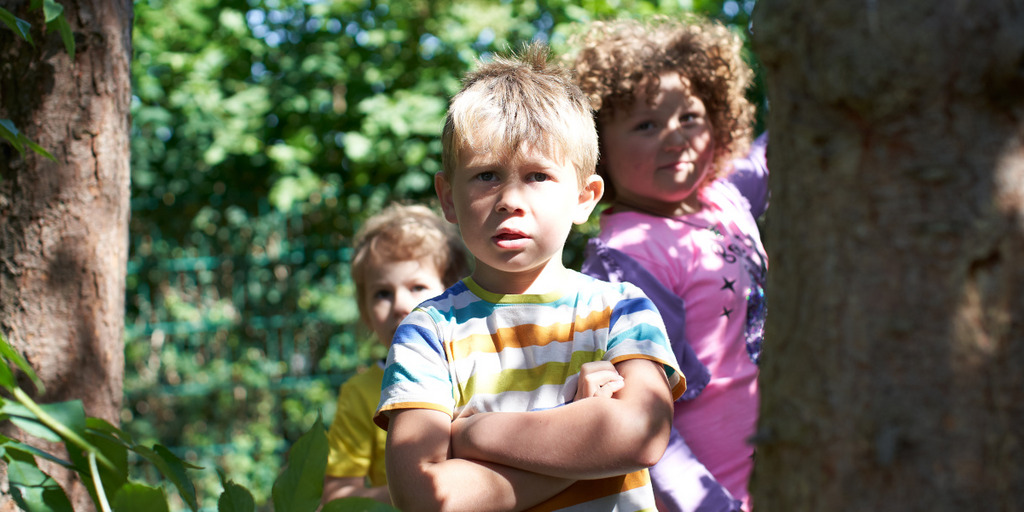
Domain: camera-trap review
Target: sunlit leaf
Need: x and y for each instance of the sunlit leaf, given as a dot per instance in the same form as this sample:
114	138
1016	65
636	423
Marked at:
27	421
13	444
51	10
298	489
135	497
7	351
66	35
235	498
173	469
31	489
18	25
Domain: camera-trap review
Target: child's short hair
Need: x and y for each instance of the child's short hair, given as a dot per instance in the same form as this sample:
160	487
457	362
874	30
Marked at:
520	100
405	233
616	58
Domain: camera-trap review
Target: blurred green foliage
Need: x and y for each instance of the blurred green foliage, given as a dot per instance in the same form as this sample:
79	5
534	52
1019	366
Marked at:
264	133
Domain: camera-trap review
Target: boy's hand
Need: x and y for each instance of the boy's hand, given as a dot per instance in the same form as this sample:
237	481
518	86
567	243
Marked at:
598	379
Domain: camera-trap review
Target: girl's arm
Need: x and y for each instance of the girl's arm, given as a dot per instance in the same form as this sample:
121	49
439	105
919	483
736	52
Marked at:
587	439
422	477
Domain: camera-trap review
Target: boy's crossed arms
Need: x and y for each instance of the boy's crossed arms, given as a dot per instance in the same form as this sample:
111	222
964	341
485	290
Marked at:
514	460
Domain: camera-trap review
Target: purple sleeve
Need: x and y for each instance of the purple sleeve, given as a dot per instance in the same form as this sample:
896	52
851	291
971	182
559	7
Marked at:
607	264
683	484
750	176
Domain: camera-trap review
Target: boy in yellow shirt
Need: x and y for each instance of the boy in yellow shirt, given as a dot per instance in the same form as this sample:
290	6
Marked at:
402	256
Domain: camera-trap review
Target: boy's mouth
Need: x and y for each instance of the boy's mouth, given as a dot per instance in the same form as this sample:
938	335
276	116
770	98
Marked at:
509	239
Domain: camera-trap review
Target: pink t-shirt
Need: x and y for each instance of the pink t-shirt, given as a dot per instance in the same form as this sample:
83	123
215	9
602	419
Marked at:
715	261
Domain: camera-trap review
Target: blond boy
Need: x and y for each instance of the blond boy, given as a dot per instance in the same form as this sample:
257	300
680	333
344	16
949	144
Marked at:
402	256
479	385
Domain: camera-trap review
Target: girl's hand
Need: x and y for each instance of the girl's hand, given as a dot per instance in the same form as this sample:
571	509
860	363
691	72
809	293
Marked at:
598	379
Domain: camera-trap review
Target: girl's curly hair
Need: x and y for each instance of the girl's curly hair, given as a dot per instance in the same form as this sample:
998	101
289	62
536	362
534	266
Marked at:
616	58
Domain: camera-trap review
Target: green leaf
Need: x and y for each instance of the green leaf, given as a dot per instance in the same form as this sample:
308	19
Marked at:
357	505
66	419
113	450
135	497
173	469
298	489
7	352
40	150
15	445
9	132
18	25
101	426
51	10
7	377
66	35
31	489
27	421
235	498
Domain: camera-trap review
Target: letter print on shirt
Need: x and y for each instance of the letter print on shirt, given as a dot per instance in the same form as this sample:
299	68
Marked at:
743	249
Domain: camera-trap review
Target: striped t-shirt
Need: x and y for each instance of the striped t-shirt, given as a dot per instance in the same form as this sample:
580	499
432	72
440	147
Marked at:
472	348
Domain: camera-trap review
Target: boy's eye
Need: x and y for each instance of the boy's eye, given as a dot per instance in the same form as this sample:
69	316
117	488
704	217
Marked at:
382	294
539	176
419	288
486	176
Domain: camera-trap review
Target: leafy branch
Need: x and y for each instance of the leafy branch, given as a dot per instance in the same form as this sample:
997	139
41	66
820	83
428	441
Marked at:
98	452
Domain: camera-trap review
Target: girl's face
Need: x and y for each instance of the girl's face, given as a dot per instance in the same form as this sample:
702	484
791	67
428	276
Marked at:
659	154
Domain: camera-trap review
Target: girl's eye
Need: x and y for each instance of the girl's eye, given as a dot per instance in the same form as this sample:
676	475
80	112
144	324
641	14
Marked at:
691	118
644	126
381	295
419	288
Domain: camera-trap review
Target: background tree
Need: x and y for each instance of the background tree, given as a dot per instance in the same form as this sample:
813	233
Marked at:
896	374
64	223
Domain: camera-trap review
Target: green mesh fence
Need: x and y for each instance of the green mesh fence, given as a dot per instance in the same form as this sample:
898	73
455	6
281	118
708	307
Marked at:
237	336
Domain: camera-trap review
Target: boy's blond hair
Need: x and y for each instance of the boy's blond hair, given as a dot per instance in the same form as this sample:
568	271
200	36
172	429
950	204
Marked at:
524	99
406	233
616	58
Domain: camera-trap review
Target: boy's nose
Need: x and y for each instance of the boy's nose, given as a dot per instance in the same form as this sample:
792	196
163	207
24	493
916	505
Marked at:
403	304
509	200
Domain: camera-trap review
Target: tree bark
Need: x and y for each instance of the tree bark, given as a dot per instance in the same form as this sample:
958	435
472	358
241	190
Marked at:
895	374
63	225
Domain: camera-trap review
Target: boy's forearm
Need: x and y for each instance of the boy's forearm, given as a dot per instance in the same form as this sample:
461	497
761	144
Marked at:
343	487
422	478
592	438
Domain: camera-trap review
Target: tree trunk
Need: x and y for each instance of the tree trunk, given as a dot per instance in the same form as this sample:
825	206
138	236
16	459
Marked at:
63	225
895	374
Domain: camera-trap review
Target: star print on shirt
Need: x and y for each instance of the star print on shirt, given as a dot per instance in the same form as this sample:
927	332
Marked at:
726	312
728	284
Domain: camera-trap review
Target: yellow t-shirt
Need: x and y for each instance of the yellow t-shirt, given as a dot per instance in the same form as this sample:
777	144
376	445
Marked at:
356	443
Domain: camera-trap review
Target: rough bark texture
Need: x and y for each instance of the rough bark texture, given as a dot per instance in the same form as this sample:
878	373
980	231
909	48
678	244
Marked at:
895	377
63	225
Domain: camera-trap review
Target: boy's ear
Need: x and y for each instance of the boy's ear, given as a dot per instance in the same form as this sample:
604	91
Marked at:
590	195
444	193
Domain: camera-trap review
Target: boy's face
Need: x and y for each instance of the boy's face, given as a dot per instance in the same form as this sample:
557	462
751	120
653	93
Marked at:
515	215
394	288
657	155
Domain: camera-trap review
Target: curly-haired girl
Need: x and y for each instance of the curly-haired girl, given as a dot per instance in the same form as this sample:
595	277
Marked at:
672	116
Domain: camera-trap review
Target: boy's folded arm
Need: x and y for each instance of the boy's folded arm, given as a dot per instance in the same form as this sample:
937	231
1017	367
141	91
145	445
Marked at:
422	477
587	439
